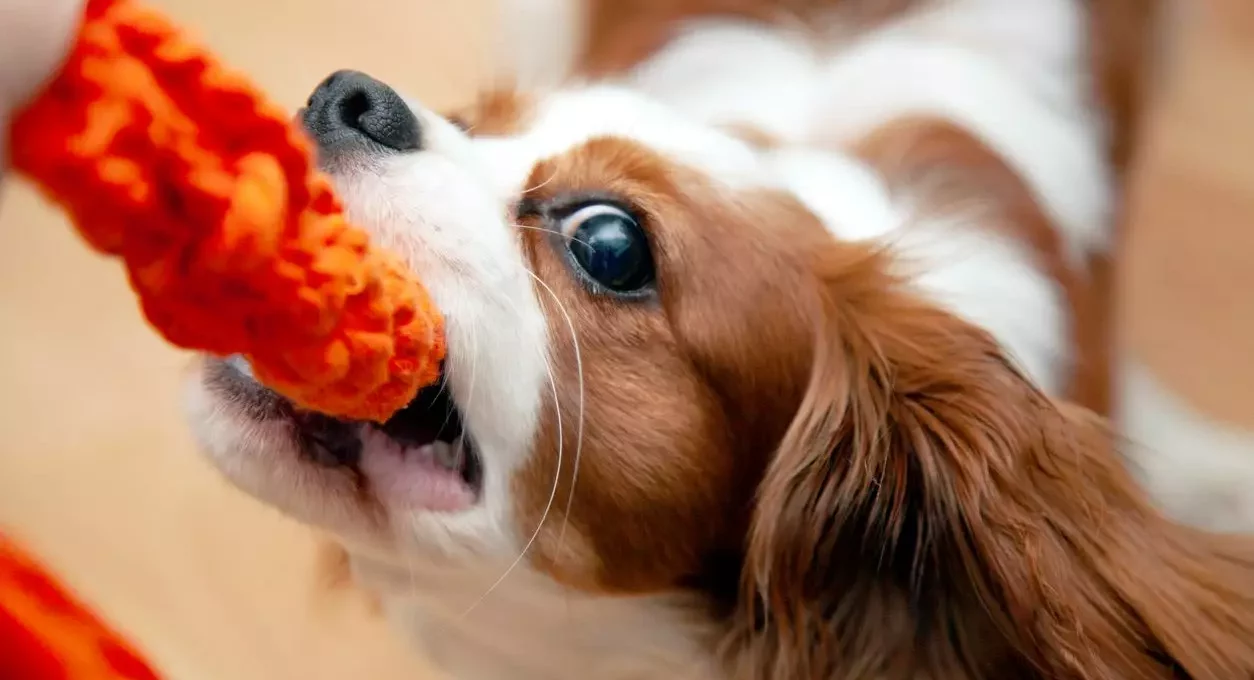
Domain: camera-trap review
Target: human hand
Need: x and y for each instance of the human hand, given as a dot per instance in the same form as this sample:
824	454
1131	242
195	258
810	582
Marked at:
37	36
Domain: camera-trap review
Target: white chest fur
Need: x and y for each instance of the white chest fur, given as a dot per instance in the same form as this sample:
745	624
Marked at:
529	628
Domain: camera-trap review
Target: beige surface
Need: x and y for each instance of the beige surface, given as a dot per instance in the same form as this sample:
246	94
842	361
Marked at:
96	470
1188	279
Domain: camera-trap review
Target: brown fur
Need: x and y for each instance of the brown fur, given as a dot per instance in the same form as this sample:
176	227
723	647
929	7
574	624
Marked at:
712	366
894	500
946	170
930	515
622	33
1121	37
498	111
860	484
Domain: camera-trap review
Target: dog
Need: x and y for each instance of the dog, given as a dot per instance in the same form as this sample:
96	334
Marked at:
764	321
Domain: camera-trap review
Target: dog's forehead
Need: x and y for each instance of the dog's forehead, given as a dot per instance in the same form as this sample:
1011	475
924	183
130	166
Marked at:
564	121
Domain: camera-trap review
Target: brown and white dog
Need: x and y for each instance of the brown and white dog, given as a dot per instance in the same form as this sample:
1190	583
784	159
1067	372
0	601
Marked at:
756	316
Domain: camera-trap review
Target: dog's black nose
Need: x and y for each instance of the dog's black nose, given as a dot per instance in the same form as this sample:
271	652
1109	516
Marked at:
351	107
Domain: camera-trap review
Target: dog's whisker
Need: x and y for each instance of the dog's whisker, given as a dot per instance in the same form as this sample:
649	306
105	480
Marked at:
470	391
579	425
541	185
557	475
550	231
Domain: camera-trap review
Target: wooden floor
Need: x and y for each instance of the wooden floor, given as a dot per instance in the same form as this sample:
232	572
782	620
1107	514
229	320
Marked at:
97	472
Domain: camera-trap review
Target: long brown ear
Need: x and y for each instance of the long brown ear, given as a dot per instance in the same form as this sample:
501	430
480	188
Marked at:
931	515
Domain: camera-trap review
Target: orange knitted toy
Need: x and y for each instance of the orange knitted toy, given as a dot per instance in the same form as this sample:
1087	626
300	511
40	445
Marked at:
46	633
231	240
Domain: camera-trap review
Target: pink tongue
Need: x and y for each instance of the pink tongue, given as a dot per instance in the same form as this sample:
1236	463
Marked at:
411	477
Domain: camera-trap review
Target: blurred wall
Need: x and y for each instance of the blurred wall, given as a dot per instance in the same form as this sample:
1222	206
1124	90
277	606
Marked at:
1186	281
97	473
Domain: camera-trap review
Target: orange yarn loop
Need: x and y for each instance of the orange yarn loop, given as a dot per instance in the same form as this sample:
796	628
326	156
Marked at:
232	241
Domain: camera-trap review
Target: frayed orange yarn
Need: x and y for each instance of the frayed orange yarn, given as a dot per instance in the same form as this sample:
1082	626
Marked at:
234	244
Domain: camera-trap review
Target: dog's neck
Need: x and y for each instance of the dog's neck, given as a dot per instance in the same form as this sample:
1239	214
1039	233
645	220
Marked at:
528	627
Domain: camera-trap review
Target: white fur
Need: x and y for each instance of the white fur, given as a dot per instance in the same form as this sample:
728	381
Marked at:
530	628
745	71
961	261
844	193
570	118
1005	70
1199	469
1011	72
262	459
990	280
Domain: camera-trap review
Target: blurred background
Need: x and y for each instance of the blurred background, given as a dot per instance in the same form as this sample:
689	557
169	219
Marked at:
97	473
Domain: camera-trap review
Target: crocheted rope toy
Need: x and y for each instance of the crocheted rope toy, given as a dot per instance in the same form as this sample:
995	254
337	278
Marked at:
233	243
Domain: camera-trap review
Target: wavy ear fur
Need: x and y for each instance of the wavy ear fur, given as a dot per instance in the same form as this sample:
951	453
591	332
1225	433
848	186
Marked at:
930	515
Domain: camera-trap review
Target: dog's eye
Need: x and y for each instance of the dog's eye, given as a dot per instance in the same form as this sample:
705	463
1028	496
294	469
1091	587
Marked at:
610	247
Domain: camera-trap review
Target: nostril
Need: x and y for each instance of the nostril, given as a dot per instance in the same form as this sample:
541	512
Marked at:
352	108
384	117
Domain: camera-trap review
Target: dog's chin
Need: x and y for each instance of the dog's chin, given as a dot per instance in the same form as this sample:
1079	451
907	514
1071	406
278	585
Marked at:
356	479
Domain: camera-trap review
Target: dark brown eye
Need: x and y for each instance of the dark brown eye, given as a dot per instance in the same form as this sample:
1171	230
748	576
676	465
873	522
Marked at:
610	247
459	122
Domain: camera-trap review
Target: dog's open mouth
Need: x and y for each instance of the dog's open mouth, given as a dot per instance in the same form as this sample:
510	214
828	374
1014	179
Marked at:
422	457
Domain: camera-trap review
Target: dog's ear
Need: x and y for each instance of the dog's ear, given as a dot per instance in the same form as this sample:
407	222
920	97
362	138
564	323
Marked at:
930	514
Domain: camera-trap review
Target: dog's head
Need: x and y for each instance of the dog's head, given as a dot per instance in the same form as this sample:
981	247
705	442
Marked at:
619	289
665	374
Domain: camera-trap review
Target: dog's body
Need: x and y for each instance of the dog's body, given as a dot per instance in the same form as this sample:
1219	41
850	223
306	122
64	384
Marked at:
749	323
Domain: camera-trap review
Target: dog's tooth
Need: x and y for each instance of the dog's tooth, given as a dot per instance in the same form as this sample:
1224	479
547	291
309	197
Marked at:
443	454
448	455
426	452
